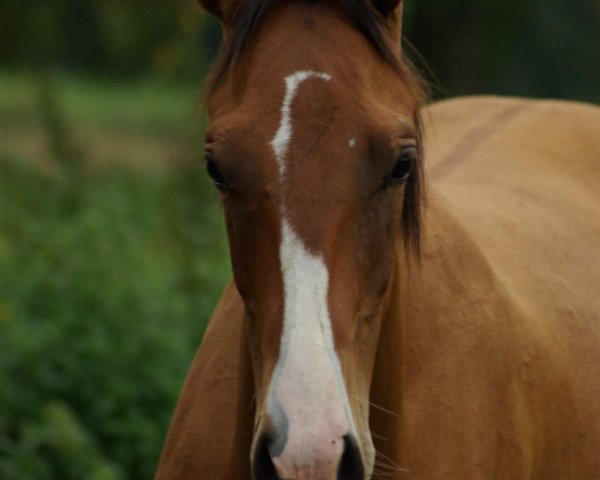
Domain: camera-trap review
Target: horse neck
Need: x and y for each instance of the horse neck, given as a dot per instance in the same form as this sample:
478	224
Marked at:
417	312
388	379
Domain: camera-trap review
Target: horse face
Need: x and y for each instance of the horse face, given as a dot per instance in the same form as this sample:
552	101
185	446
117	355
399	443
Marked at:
312	147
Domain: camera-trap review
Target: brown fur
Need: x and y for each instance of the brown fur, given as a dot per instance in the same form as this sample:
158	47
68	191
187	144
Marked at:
484	362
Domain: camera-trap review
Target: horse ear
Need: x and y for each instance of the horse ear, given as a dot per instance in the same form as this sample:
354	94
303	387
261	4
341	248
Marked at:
222	9
387	7
391	10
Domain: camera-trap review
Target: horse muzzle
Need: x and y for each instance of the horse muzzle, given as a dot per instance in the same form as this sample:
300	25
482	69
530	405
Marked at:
324	458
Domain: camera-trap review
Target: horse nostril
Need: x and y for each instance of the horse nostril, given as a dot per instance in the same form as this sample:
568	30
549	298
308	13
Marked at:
262	465
351	466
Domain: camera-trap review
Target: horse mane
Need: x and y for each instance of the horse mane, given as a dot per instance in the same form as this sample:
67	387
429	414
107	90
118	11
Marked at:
372	25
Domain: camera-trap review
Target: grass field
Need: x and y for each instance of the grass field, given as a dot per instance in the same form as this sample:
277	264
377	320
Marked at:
143	123
112	256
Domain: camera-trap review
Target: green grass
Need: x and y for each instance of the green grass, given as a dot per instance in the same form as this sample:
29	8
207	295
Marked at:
108	275
142	106
142	123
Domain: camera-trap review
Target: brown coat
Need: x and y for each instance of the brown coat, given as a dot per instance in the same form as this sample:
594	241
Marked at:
488	365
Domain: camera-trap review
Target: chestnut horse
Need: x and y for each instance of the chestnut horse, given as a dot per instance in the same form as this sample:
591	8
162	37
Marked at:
359	338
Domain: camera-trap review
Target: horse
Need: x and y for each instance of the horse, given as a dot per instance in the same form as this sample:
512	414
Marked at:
387	317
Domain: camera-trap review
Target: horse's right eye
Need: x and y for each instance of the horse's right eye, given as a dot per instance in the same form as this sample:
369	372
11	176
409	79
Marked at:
216	175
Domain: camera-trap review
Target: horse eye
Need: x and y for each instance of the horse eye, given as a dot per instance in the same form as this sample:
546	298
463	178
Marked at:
217	176
402	168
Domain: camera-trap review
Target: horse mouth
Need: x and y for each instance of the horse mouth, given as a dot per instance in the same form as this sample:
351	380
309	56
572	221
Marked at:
350	466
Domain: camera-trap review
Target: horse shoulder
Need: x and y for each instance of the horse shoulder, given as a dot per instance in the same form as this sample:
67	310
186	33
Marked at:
504	352
212	422
528	195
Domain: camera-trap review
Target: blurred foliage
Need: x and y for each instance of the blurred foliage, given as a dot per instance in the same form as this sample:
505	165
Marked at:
534	48
107	278
109	37
540	48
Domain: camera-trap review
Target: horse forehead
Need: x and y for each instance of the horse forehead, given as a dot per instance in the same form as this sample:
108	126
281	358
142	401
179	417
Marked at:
308	93
314	110
317	116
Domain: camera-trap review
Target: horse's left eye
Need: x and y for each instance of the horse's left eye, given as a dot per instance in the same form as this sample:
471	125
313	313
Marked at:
402	167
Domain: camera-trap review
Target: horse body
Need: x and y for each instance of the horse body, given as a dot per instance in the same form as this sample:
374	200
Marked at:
488	363
517	319
502	357
480	360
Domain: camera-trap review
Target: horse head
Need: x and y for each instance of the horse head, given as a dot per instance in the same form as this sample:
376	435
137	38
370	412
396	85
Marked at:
314	145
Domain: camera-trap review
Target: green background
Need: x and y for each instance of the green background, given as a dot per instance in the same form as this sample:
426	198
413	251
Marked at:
112	248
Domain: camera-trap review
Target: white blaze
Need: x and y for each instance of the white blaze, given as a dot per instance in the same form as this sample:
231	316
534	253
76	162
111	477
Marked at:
307	384
283	136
